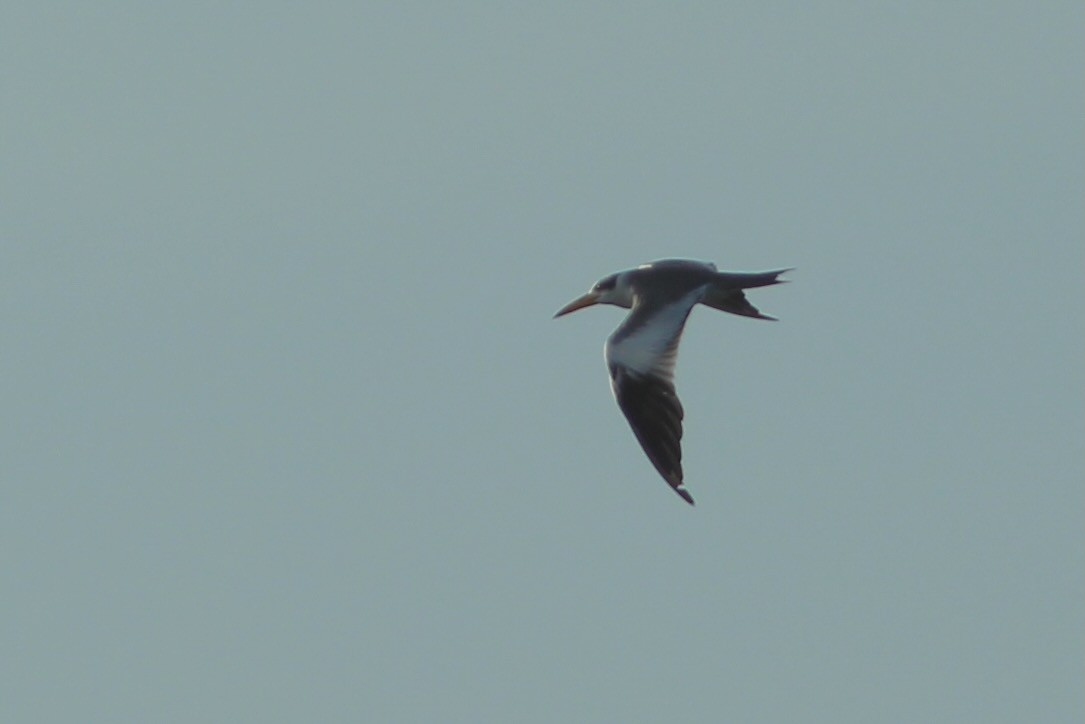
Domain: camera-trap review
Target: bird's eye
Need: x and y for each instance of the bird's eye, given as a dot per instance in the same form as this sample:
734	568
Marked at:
606	284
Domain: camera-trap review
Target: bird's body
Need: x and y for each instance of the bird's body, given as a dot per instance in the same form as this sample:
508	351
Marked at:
641	352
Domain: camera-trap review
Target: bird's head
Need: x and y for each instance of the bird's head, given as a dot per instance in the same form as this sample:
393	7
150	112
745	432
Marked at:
613	289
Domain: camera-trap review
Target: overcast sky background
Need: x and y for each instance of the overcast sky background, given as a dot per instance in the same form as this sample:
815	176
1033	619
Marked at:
289	433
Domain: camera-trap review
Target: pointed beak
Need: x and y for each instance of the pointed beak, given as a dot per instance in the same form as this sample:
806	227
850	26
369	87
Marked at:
579	303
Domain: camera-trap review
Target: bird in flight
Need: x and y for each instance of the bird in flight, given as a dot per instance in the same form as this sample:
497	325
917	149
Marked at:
641	352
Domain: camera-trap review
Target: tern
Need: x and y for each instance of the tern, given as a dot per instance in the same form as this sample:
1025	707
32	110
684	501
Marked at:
642	351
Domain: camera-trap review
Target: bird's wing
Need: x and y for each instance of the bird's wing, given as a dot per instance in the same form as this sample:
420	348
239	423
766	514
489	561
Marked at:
640	356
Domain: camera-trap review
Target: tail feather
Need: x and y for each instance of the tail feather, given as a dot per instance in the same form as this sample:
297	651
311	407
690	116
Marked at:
734	302
748	280
725	293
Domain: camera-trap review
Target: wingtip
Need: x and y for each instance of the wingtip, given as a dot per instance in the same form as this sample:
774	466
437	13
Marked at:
685	496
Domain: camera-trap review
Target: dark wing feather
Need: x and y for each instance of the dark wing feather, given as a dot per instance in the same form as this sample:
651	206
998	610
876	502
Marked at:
641	355
655	414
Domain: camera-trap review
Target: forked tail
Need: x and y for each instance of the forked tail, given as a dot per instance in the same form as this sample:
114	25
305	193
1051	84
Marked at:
725	293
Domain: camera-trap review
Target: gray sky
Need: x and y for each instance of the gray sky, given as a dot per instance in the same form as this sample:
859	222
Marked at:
289	434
